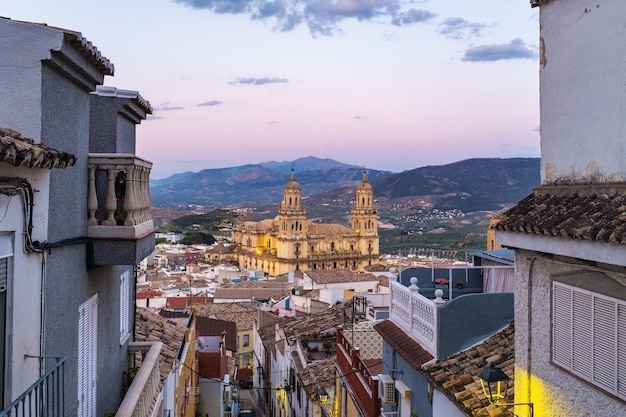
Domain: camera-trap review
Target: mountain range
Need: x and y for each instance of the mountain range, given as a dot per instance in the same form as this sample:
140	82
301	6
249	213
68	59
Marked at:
469	185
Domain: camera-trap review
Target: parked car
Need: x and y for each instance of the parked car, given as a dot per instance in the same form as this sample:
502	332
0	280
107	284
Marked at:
247	412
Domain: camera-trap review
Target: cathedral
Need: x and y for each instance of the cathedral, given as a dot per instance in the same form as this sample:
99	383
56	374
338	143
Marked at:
292	243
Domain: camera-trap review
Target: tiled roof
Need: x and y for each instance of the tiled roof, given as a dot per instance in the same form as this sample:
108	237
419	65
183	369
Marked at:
587	212
173	314
20	151
239	313
333	276
214	327
409	349
376	268
82	45
457	376
107	91
322	374
151	327
327	229
184	302
249	293
148	294
319	322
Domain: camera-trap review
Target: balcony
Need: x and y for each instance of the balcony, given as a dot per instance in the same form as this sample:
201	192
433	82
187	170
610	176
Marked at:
46	397
143	395
118	205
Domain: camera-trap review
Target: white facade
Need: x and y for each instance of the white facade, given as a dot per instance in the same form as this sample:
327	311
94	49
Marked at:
583	121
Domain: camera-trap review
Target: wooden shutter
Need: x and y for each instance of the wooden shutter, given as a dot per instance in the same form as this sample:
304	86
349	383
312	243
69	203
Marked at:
87	357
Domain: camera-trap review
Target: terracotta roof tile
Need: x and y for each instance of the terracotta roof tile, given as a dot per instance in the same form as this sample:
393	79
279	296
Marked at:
241	314
332	276
214	327
151	327
409	349
457	376
587	212
319	322
20	151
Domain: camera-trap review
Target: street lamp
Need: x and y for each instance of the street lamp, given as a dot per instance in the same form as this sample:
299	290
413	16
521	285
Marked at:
494	378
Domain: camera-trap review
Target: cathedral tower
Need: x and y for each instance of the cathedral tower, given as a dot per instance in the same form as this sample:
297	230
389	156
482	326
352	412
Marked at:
291	214
364	214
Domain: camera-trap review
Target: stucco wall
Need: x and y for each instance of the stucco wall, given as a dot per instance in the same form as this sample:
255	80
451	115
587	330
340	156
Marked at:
395	366
553	391
582	90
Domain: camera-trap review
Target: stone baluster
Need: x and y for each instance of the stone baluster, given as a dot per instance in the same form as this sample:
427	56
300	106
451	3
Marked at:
145	194
110	203
92	199
130	197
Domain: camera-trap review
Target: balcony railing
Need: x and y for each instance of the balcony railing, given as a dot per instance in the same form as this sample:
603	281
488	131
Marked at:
118	202
46	397
415	314
143	395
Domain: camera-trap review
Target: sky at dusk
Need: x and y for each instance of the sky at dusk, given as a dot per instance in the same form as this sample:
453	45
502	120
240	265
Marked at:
385	84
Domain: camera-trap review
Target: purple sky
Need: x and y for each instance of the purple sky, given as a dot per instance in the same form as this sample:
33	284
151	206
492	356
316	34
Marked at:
388	84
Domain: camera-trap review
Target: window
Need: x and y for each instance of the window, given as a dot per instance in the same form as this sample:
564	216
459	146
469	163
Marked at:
124	306
87	357
246	340
585	336
6	255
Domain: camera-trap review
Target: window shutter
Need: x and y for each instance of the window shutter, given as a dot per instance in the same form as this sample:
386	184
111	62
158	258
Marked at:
562	325
582	324
124	305
604	343
621	351
589	336
3	274
87	357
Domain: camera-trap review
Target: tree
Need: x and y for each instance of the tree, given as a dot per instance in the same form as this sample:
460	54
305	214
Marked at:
198	238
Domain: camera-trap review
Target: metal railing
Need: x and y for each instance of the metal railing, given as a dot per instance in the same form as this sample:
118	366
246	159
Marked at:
45	398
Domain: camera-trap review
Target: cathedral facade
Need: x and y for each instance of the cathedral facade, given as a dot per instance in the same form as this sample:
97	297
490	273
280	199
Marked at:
292	243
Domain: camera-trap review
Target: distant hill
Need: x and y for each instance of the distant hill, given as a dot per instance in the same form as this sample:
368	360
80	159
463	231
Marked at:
469	185
309	163
445	206
252	184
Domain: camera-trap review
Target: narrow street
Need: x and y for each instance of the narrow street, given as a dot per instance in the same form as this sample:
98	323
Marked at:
247	400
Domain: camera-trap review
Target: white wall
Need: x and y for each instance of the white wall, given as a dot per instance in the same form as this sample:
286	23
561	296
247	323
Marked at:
24	286
582	75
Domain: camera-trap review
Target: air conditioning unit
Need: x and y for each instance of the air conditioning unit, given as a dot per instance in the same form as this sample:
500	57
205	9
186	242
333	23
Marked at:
386	389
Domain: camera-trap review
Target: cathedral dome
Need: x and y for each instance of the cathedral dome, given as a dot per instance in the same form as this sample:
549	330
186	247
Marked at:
293	185
364	185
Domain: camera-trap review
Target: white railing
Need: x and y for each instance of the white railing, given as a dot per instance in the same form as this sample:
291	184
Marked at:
129	205
415	314
142	396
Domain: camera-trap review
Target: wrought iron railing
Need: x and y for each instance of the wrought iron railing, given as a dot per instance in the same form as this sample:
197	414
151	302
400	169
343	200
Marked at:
46	397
